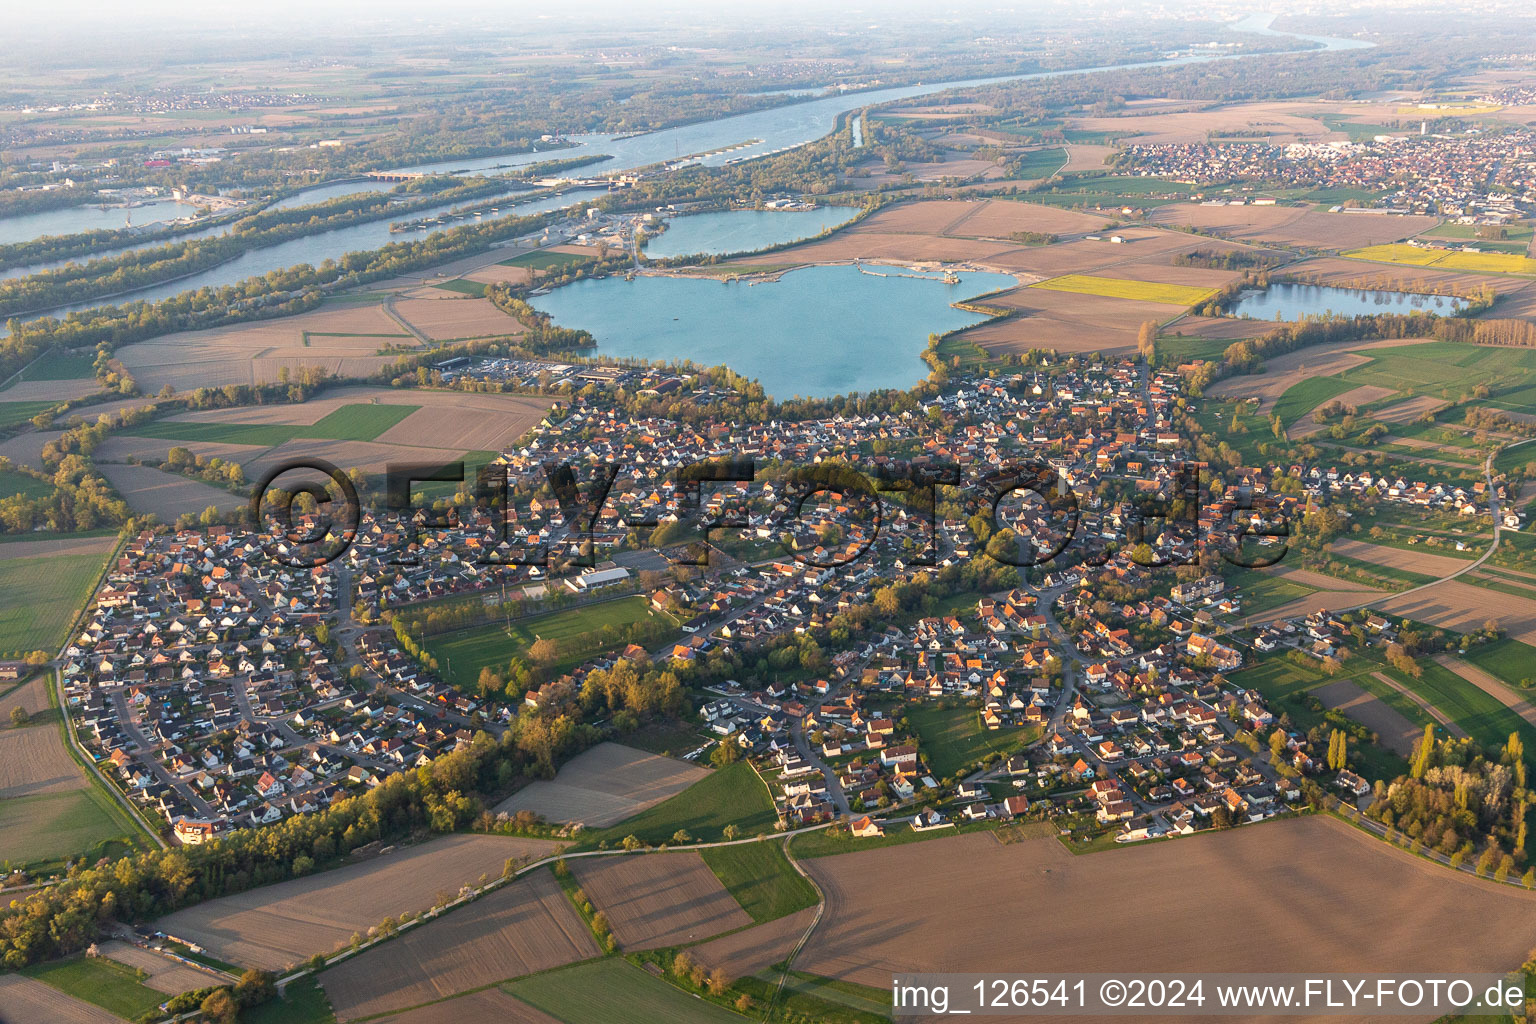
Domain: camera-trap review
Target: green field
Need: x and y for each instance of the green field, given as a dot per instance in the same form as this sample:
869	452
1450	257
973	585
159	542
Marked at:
463	287
12	413
1263	591
1484	717
950	739
109	985
1506	659
50	827
40	596
1041	163
348	423
1114	288
62	364
1302	397
733	795
542	260
303	1002
1446	369
761	878
1444	259
12	482
463	653
614	991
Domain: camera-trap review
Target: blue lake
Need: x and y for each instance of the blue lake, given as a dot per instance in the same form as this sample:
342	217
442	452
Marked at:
736	231
1295	301
815	332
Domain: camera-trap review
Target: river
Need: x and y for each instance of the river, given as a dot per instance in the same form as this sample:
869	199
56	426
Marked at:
716	142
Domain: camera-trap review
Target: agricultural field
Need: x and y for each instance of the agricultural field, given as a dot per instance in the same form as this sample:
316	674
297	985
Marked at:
522	928
13	413
490	1005
1291	225
1318	895
13	483
60	364
33	761
48	828
950	739
43	586
1490	685
546	259
1405	559
452	318
604	785
348	423
161	972
112	986
659	899
1465	607
1141	291
463	653
278	925
167	495
754	949
761	879
615	991
1397	733
732	795
1444	259
32	1002
1508	660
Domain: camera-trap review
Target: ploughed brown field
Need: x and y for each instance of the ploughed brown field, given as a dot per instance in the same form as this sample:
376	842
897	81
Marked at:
1002	217
1281	121
278	925
1307	894
1401	558
521	928
448	316
604	785
1411	409
24	1001
167	495
747	952
33	760
1066	321
1465	607
659	899
162	973
493	1006
1293	225
1397	733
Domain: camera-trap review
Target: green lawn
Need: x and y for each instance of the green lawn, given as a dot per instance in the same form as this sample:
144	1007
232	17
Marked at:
54	826
109	985
733	795
303	1002
614	991
1507	659
950	739
348	423
463	653
761	878
12	413
12	483
40	596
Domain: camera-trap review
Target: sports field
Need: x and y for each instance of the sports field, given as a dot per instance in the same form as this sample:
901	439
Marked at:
1442	259
615	991
1115	288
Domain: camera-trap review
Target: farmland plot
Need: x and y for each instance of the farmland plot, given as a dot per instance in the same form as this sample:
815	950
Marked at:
524	927
605	784
655	900
25	1001
278	925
